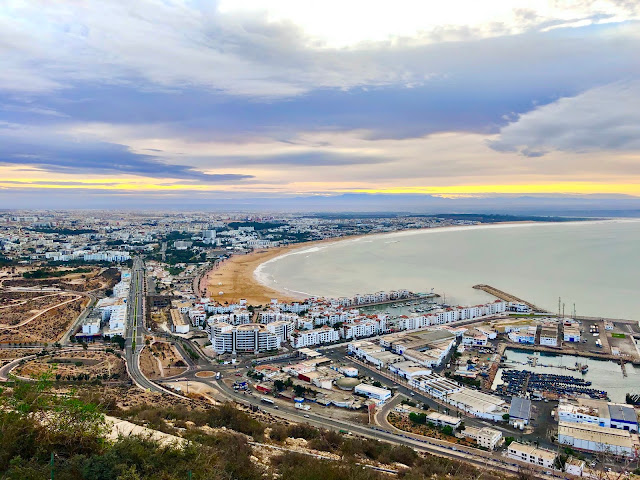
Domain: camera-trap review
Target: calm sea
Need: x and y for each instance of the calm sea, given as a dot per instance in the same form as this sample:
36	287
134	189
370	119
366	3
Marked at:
594	265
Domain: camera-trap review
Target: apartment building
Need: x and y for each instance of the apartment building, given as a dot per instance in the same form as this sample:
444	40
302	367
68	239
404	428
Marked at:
248	338
306	338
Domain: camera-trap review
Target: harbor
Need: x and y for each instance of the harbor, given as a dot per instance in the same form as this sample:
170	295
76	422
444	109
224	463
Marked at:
603	374
522	382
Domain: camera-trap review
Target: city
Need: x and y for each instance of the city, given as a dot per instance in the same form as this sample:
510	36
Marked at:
398	366
336	240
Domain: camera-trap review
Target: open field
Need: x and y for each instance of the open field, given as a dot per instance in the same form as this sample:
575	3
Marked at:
96	278
80	365
161	359
18	307
48	326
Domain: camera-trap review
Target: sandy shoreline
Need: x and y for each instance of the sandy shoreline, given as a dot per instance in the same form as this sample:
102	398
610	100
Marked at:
237	274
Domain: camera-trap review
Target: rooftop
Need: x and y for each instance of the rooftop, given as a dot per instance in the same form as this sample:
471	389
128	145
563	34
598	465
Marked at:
597	434
520	408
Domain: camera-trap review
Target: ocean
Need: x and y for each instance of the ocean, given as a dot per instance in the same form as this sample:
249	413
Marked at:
593	265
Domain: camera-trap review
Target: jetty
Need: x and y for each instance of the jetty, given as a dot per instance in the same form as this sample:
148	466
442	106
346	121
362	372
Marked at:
507	297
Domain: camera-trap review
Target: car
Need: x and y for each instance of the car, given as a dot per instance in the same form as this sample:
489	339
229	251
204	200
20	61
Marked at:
238	374
413	394
306	416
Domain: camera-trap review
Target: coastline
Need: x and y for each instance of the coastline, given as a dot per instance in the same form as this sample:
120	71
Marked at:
237	275
241	275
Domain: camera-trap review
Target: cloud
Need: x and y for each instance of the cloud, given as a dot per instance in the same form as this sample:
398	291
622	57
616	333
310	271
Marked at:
604	119
65	155
257	52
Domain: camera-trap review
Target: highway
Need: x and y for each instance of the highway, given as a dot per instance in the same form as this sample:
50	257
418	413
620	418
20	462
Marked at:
135	330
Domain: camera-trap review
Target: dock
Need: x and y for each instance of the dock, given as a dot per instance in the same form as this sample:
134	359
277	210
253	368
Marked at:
507	297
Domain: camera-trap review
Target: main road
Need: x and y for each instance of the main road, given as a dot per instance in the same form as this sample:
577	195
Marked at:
135	329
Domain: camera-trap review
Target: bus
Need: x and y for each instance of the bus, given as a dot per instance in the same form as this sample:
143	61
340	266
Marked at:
267	400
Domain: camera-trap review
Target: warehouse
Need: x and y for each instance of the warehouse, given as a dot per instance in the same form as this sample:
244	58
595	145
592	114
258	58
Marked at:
377	393
594	438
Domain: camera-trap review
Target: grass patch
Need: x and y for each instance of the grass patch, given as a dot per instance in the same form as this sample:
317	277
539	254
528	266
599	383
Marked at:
618	335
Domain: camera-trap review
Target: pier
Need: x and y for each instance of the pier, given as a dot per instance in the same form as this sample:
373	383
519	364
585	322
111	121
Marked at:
507	297
624	369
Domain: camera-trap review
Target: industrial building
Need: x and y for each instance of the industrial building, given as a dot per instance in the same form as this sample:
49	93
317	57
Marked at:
520	412
599	412
376	393
594	438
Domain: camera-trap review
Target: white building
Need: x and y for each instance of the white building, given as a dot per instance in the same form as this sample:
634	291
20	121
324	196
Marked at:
91	327
179	325
408	369
249	338
377	393
529	454
571	333
600	413
443	420
282	329
593	438
549	335
486	437
574	466
526	335
474	338
306	338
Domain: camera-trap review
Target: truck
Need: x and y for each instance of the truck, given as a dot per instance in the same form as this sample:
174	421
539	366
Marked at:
218	375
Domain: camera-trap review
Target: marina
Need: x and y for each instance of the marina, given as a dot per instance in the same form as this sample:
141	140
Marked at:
603	374
522	382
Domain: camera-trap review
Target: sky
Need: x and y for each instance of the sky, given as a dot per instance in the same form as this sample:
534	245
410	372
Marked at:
175	102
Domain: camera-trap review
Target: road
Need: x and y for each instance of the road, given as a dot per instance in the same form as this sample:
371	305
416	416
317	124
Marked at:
135	330
65	340
482	460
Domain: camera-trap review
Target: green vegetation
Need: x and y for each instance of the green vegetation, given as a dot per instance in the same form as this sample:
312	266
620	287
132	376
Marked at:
175	270
49	273
618	335
464	380
38	424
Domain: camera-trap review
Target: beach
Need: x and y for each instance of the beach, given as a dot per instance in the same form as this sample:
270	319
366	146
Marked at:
237	279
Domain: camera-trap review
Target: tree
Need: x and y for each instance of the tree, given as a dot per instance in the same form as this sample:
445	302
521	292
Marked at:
419	418
505	417
299	390
447	430
279	385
